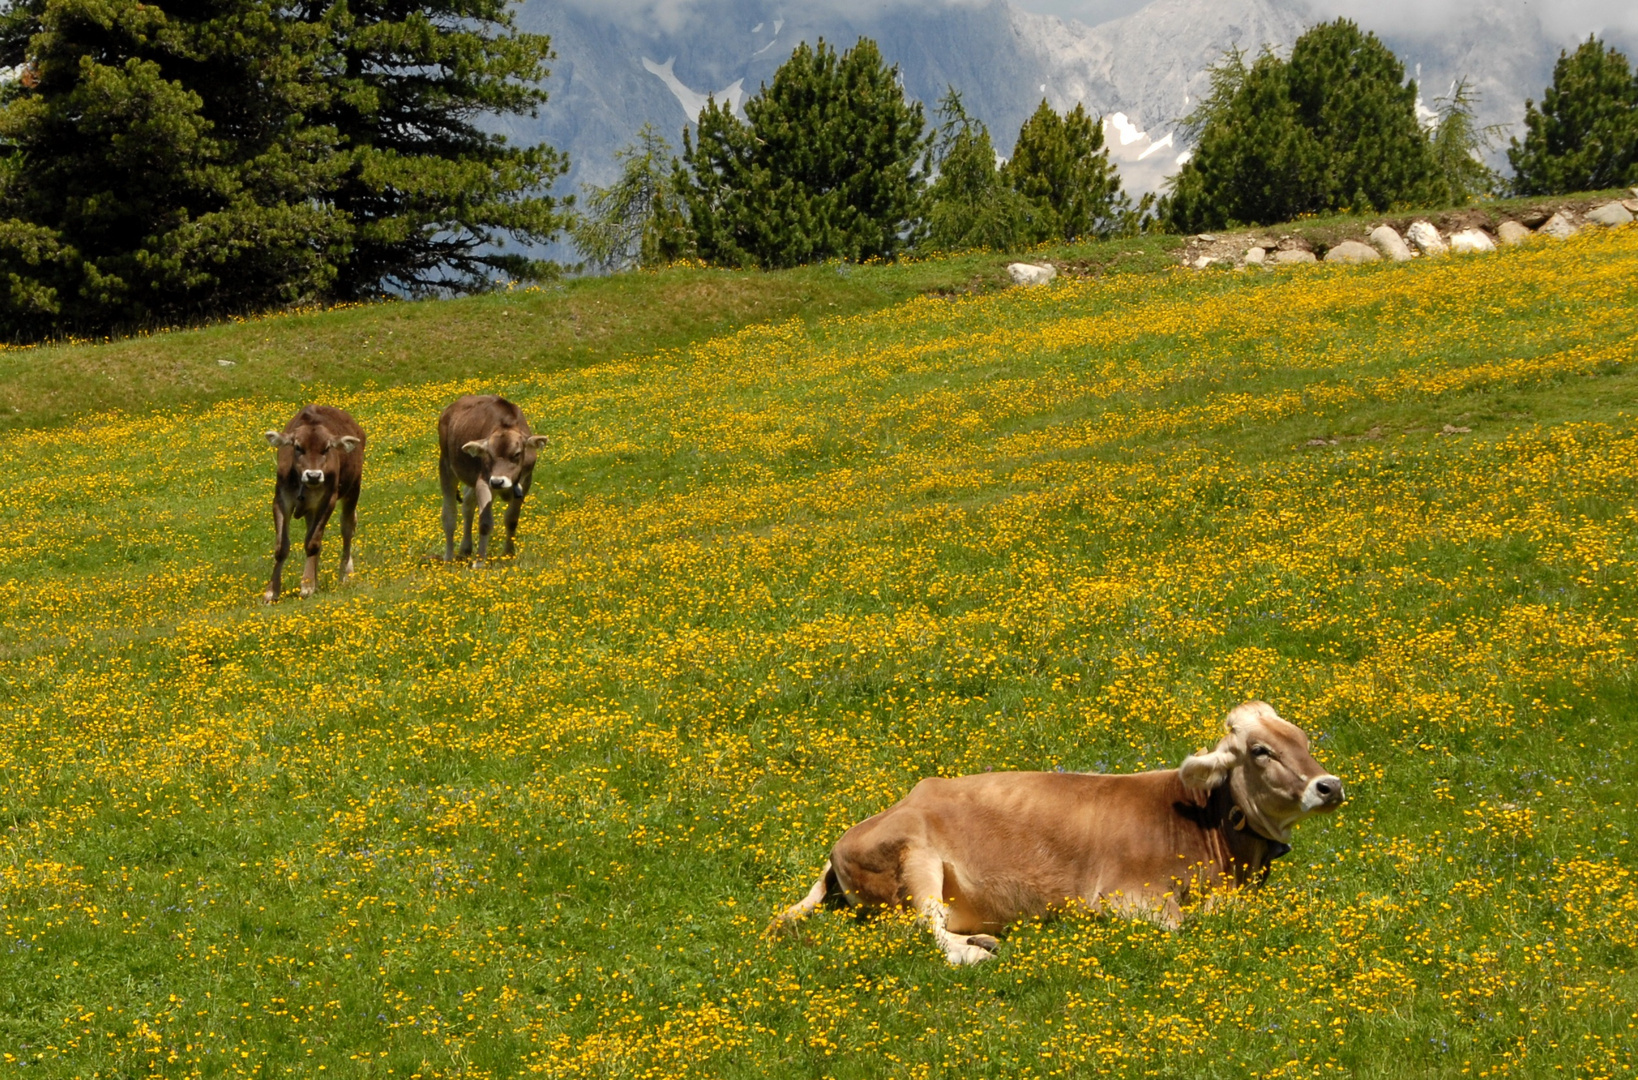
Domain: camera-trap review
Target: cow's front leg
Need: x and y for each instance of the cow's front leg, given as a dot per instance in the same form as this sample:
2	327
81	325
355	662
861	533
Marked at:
477	496
316	520
281	545
514	507
924	888
486	521
349	525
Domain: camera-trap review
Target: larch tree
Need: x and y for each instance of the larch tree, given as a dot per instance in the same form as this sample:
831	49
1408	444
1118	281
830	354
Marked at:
969	204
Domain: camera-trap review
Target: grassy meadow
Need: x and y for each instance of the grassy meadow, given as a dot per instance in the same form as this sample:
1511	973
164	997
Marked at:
532	820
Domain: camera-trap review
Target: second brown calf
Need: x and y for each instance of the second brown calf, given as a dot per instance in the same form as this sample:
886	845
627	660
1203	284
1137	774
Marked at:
484	443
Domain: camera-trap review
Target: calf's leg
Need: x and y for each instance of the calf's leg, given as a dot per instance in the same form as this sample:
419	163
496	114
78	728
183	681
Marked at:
315	543
281	545
349	524
486	520
514	507
452	495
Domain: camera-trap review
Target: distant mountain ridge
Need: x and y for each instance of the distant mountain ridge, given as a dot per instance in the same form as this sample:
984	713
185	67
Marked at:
1141	72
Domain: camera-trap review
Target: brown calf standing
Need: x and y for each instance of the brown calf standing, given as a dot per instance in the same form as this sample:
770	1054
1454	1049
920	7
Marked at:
320	463
485	443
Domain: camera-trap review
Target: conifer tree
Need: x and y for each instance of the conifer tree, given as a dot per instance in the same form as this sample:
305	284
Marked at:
1584	135
167	161
1061	164
968	204
1351	94
1458	141
1335	128
825	164
1253	160
637	220
427	190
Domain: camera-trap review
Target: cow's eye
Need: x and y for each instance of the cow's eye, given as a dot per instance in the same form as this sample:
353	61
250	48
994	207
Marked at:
1259	751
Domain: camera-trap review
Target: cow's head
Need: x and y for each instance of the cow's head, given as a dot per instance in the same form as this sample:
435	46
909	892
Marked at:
310	453
507	458
1275	781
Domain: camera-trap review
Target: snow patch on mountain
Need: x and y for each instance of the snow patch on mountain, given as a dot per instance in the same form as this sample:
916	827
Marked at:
692	101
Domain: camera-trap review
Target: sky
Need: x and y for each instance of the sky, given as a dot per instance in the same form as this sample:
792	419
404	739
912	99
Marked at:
1405	18
1564	21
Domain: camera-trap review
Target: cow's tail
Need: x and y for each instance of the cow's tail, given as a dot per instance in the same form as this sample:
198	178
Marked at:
826	888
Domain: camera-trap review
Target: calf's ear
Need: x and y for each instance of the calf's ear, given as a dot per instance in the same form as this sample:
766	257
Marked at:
537	441
348	443
1207	769
475	448
276	438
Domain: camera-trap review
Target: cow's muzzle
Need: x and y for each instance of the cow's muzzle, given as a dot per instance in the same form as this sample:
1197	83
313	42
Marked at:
312	476
503	483
1323	793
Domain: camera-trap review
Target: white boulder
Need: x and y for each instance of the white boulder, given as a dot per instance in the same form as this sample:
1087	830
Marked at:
1559	226
1256	256
1293	257
1610	215
1388	241
1511	232
1471	242
1425	238
1352	251
1030	274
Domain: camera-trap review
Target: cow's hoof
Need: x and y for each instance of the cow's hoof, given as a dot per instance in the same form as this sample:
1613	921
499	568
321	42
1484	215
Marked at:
270	597
477	564
984	941
961	954
307	590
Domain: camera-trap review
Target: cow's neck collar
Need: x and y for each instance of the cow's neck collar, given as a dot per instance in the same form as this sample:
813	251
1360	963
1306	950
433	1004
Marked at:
1236	824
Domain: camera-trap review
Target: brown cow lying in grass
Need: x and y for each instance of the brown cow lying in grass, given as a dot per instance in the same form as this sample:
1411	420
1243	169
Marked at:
484	443
975	853
320	464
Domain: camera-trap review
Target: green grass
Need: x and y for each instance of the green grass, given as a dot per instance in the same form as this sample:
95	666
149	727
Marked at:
547	328
780	564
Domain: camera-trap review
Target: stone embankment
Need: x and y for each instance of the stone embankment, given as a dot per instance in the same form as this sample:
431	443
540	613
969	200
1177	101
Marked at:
1458	232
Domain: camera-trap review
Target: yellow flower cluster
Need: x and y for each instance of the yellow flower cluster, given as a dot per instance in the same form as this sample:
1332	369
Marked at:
532	819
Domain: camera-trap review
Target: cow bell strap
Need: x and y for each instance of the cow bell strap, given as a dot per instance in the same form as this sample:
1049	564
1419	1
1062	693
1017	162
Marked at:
1238	821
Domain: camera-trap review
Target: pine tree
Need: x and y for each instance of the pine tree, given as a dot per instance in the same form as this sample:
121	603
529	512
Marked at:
1584	136
637	220
129	195
1254	161
825	164
1351	94
1335	128
968	205
168	161
1061	164
429	191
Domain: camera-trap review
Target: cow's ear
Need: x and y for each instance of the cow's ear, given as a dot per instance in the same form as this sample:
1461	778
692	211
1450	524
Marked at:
1207	769
537	441
348	443
277	438
475	449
